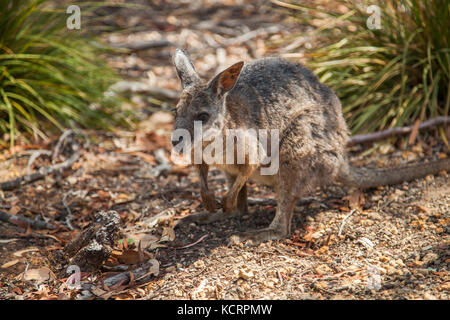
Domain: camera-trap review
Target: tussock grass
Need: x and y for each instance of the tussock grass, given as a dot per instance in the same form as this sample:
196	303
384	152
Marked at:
385	77
50	76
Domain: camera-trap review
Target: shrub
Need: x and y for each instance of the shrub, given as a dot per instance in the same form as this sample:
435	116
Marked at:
50	76
384	77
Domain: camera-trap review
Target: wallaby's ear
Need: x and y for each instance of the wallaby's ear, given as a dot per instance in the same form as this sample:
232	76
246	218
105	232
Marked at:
185	68
226	80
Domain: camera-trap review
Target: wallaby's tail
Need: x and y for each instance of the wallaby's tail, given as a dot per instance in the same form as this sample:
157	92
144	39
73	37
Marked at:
367	177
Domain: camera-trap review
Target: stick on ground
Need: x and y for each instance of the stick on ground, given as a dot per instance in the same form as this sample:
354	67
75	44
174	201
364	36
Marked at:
374	136
25	222
40	174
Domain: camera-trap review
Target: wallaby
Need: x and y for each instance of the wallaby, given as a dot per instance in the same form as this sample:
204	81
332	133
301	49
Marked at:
273	93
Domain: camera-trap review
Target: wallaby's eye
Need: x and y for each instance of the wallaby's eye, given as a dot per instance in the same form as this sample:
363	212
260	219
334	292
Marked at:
203	117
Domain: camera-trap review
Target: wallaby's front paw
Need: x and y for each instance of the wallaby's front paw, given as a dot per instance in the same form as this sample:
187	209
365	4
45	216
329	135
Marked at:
209	201
228	204
254	238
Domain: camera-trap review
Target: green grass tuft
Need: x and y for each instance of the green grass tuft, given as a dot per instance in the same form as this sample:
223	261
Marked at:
384	77
50	76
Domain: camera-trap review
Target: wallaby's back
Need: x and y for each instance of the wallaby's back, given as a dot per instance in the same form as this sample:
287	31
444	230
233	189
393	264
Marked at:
272	93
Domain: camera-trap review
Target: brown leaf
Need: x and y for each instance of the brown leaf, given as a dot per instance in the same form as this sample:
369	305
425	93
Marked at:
128	257
143	238
355	199
308	236
14	210
9	264
103	194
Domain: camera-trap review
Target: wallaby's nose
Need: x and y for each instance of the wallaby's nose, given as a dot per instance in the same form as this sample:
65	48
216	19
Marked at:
175	142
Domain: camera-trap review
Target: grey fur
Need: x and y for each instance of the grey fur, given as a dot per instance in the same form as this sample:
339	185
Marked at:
273	93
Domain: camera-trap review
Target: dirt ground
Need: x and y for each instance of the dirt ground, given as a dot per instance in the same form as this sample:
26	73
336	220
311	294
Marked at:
385	243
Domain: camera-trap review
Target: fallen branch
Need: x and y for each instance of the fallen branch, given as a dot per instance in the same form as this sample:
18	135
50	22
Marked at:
142	45
253	34
42	172
25	222
94	245
370	137
345	221
191	244
164	165
36	154
142	88
149	268
273	202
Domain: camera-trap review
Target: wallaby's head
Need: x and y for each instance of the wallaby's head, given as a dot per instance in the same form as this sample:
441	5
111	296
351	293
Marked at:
201	101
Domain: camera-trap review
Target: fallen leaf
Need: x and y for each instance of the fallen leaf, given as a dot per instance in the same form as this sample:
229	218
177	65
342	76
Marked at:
144	238
14	210
9	264
127	257
355	199
168	234
323	269
39	275
422	208
3	241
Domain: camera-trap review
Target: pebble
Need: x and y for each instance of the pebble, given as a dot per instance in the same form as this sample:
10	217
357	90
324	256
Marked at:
429	296
199	264
171	269
422	271
245	274
429	258
323	269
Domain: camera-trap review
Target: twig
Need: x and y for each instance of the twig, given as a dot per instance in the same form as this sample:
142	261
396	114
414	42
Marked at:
163	166
68	215
344	221
370	137
142	88
42	172
61	139
191	244
36	154
253	34
25	222
280	277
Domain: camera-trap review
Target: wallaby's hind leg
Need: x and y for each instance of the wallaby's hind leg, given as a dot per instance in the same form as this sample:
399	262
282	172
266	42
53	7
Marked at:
281	224
209	217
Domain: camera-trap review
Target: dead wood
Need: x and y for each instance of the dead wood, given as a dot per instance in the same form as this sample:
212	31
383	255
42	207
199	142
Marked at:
140	275
94	245
253	34
375	136
42	172
142	88
142	45
25	222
